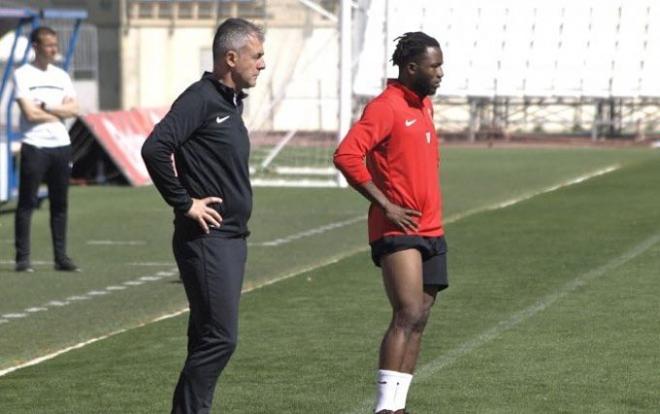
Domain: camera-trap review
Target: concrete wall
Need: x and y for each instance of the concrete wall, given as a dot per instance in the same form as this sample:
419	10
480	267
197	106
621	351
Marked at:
298	89
158	63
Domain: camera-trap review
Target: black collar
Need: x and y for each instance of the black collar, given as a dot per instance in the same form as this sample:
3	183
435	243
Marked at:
228	93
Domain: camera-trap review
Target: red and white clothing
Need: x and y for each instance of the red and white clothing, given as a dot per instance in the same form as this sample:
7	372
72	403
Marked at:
397	137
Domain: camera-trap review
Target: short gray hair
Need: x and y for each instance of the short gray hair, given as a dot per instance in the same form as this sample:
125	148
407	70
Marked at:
233	34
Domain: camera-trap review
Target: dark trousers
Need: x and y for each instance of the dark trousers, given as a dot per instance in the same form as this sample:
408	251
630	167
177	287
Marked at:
54	166
212	271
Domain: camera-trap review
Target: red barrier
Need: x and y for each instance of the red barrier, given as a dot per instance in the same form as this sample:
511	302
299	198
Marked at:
121	134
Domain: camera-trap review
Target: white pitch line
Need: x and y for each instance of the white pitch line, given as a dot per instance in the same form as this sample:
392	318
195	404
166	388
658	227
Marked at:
432	367
116	287
154	278
164	317
116	242
47	262
76	298
332	226
70	348
13	315
34	262
57	303
310	232
527	196
154	264
86	296
497	206
321	264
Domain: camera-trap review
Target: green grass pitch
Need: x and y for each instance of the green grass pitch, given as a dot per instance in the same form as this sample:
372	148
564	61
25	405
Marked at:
552	306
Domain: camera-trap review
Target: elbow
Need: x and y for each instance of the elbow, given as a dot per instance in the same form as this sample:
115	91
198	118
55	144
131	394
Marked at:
342	168
336	160
147	151
353	168
341	162
153	152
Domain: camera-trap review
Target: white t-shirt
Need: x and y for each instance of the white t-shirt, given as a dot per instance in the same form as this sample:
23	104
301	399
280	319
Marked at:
50	86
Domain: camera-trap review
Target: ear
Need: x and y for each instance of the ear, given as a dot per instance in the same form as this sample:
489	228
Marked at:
231	58
411	68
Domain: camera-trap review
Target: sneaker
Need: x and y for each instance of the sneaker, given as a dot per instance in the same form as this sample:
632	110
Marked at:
24	266
65	264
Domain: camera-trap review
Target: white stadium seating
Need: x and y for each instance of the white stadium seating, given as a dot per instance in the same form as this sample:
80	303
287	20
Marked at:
524	48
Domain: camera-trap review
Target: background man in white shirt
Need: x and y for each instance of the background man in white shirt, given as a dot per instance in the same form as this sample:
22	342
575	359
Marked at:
46	97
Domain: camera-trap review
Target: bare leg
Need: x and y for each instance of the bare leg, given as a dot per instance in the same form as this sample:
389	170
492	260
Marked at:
414	344
402	276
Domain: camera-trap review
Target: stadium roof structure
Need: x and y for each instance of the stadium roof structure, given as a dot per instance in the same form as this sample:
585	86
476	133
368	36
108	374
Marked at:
524	48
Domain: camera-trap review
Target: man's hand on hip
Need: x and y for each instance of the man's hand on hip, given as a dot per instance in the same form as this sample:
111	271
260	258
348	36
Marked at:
204	215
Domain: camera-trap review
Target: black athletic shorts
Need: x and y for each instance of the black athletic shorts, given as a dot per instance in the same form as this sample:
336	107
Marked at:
433	250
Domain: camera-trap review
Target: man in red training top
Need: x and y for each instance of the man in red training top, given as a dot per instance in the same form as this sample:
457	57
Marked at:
397	137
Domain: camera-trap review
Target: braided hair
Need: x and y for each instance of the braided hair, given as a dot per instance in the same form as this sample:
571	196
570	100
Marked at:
410	46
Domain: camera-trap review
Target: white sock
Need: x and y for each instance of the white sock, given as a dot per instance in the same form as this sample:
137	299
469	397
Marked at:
386	389
402	391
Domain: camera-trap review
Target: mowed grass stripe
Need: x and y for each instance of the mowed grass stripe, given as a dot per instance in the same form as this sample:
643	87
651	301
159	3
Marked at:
557	360
431	368
593	351
250	286
472	178
308	343
174	314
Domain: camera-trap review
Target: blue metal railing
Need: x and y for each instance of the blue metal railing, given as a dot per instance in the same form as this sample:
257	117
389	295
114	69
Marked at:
32	18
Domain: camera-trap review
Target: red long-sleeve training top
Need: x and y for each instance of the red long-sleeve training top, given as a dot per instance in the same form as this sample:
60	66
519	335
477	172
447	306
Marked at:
397	137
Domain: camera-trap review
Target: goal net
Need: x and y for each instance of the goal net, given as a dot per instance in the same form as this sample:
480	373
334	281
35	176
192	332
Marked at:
302	103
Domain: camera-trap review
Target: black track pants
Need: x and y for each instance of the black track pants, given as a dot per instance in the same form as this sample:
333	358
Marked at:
52	165
212	271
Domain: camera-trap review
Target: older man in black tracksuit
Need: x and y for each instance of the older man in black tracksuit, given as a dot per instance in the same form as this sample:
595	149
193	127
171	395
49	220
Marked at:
212	200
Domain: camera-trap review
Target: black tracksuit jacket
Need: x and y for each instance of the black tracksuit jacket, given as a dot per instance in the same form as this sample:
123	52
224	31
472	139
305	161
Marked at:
205	132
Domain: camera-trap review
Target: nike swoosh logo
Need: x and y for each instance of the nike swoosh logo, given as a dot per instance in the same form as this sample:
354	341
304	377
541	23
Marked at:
409	122
221	120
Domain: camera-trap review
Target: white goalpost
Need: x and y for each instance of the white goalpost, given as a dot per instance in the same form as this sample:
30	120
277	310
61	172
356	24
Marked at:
309	105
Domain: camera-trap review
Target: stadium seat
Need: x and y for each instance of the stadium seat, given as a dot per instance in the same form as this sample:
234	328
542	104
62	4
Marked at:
534	48
649	79
629	50
599	55
573	38
516	45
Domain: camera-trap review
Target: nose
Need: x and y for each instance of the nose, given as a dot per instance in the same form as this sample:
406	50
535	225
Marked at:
440	73
262	64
